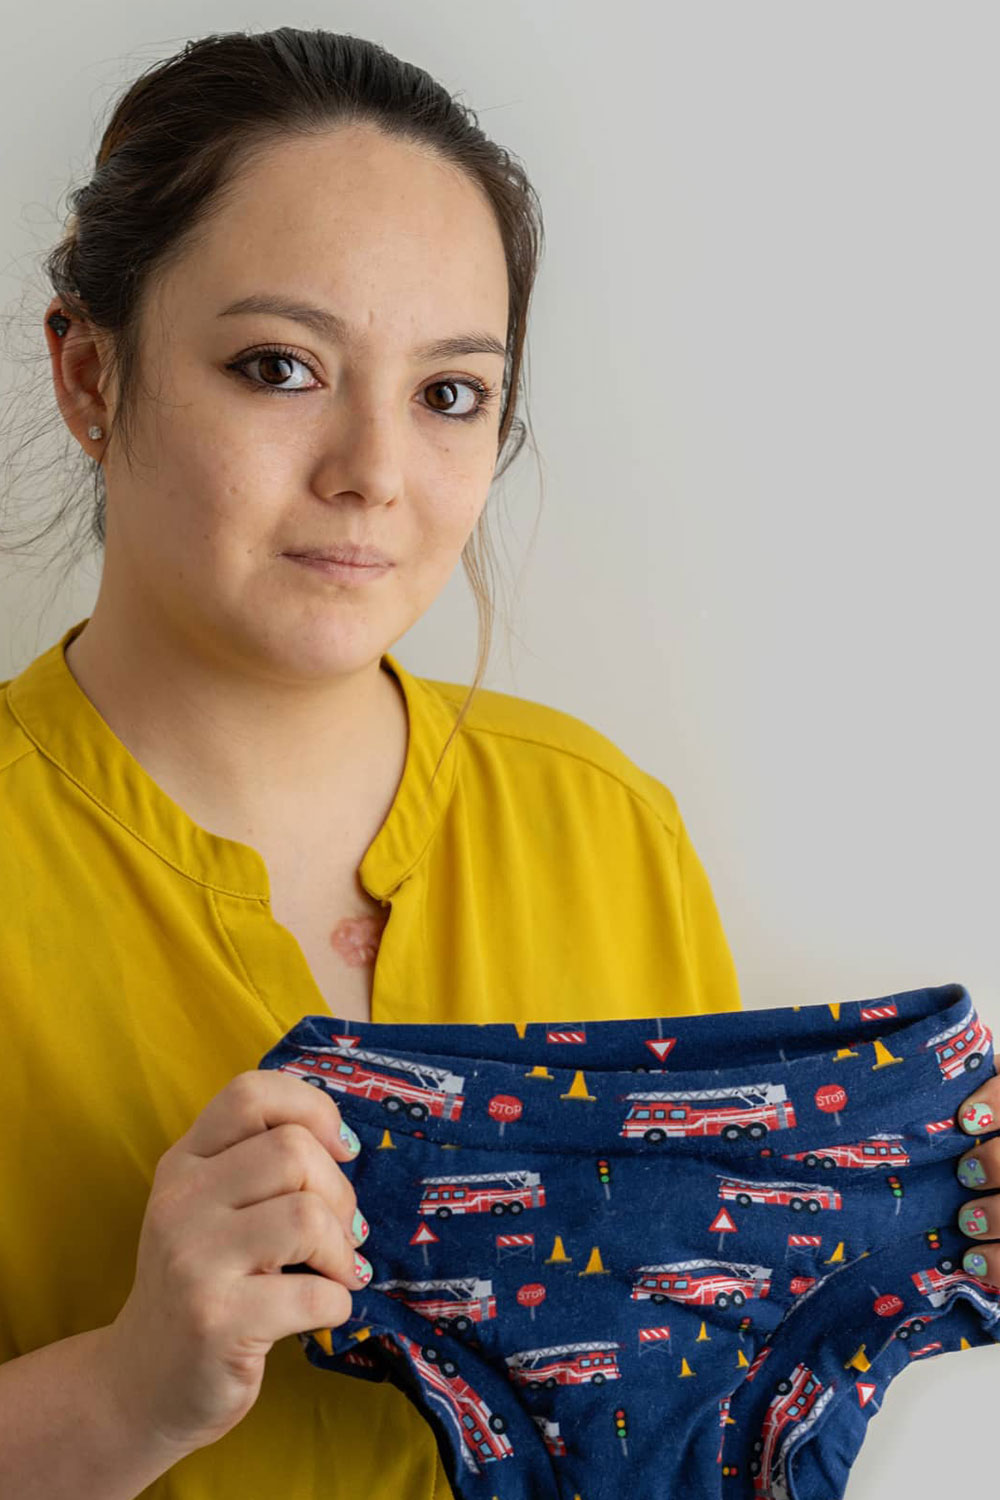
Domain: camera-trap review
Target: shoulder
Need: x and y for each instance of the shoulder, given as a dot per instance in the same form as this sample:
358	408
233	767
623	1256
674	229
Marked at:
14	743
552	749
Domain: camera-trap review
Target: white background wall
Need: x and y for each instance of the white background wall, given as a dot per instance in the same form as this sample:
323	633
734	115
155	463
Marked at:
763	382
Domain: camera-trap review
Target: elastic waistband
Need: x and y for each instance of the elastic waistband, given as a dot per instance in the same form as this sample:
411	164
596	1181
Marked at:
896	1067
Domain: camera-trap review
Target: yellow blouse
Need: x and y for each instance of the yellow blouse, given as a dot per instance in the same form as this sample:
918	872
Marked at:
545	878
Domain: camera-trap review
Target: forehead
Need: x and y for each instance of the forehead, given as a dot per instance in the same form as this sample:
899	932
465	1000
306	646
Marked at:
396	241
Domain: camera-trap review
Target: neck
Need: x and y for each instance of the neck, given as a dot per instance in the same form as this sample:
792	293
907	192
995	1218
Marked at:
249	758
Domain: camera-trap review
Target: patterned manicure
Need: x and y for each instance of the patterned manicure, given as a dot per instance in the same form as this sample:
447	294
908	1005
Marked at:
974	1263
971	1173
972	1219
976	1117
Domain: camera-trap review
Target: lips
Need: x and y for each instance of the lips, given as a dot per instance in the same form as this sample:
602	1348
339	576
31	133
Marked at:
353	556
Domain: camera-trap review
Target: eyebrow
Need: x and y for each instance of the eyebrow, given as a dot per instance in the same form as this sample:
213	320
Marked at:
337	330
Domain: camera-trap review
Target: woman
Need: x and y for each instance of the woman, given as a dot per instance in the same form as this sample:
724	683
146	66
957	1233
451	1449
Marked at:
230	806
294	296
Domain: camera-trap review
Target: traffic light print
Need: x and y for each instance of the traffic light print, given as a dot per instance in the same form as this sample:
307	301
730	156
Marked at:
657	1257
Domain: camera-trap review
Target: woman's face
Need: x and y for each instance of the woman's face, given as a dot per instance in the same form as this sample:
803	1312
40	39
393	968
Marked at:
230	475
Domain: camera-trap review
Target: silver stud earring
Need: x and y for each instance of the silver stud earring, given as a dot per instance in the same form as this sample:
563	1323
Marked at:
95	432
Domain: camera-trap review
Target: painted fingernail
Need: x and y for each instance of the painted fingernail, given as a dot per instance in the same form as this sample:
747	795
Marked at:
975	1116
359	1228
349	1138
971	1173
362	1269
972	1219
974	1263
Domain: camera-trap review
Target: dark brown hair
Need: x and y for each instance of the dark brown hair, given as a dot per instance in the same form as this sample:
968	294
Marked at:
178	138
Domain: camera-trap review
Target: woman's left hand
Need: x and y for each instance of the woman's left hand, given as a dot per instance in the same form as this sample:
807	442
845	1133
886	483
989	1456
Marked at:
978	1169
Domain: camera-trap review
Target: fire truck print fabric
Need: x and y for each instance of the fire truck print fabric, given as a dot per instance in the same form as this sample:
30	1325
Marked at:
666	1258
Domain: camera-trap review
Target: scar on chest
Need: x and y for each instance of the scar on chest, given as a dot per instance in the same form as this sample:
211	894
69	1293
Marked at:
356	939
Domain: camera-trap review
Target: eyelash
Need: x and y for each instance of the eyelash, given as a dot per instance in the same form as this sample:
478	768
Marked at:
487	393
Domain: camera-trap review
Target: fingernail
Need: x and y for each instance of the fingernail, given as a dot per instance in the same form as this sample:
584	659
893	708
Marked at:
359	1228
349	1138
971	1172
972	1219
975	1117
974	1263
361	1268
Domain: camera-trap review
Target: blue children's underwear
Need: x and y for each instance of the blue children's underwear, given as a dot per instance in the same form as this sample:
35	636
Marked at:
672	1259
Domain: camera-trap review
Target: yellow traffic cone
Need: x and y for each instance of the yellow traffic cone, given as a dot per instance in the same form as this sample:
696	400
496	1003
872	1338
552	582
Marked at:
883	1054
835	1009
838	1254
539	1071
686	1368
385	1144
702	1336
859	1360
844	1052
593	1266
742	1362
558	1253
578	1088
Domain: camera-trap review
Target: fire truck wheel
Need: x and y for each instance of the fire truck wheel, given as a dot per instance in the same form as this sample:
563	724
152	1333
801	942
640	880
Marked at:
811	1159
655	1136
743	1199
514	1208
549	1382
722	1300
497	1209
731	1132
417	1111
442	1213
973	1062
757	1131
392	1106
657	1297
783	1387
946	1264
461	1325
497	1422
758	1446
795	1203
738	1299
813	1206
754	1466
598	1378
828	1161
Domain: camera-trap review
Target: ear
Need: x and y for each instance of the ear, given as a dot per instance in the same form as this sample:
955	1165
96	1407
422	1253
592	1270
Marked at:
78	377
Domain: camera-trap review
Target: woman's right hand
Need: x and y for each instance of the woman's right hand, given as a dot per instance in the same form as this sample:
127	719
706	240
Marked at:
252	1186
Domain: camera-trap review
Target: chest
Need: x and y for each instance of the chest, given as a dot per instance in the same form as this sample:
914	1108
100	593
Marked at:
339	928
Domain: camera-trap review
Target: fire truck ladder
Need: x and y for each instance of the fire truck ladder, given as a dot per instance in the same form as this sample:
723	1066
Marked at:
513	1179
459	1286
426	1075
752	1273
747	1182
529	1356
749	1093
952	1030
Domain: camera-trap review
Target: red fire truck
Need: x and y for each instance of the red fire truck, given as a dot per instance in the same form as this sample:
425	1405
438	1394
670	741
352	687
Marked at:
481	1193
961	1048
565	1364
797	1195
702	1282
480	1431
455	1302
875	1151
798	1402
419	1092
750	1110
